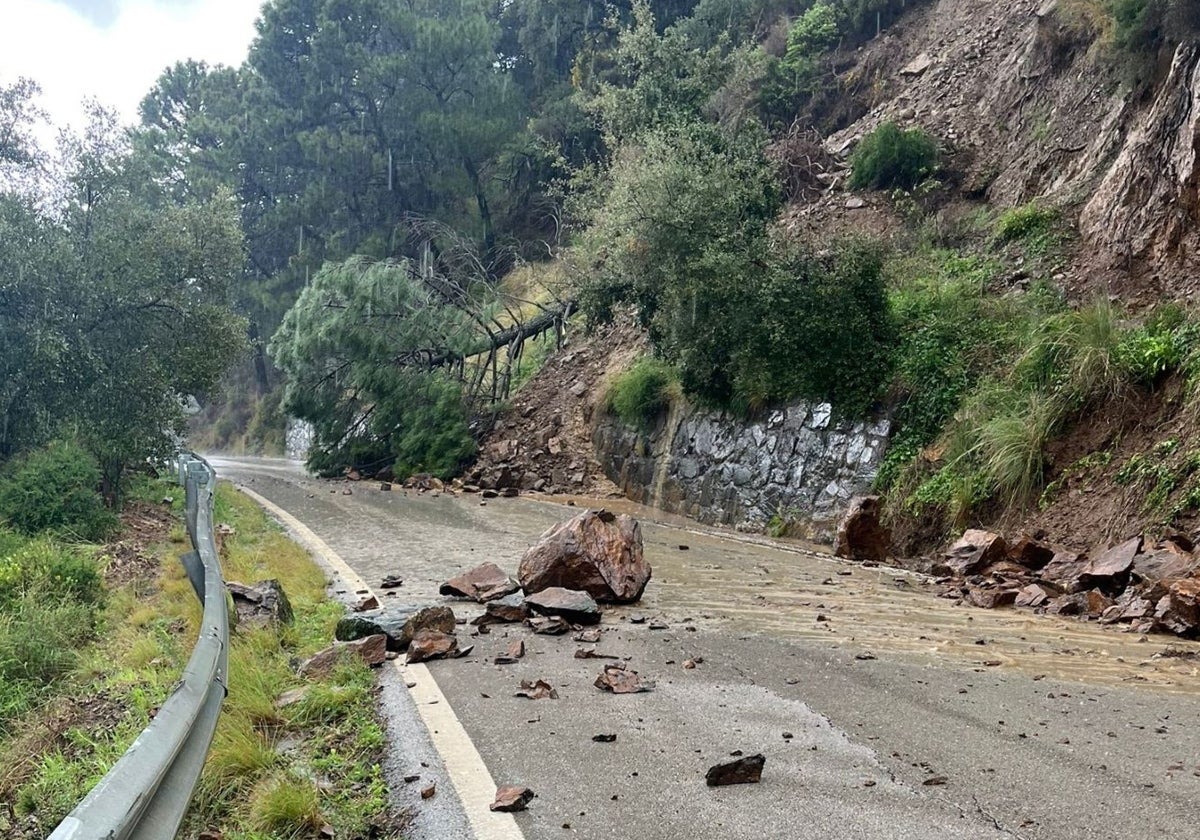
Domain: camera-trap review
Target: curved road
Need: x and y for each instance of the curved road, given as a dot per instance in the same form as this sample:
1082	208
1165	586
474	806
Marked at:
883	712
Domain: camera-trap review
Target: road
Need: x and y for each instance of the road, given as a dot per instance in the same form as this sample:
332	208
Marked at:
883	712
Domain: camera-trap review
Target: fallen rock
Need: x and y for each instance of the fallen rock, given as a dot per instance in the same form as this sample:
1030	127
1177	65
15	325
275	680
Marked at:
1110	570
537	690
1032	595
486	582
1073	604
973	551
990	599
399	623
1179	610
620	680
861	535
507	610
1030	553
431	644
549	625
596	552
1164	564
511	798
428	791
515	651
263	603
575	606
1065	570
372	650
366	603
592	653
743	771
589	636
391	582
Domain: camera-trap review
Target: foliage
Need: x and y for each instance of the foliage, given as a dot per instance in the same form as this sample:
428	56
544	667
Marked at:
363	350
1028	220
55	489
49	597
892	157
643	392
249	786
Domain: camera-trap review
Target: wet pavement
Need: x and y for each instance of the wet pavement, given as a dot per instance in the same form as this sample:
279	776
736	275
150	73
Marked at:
1041	727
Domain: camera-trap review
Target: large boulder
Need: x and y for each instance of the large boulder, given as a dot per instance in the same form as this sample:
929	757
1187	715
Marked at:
398	623
861	536
973	551
483	583
597	552
1110	569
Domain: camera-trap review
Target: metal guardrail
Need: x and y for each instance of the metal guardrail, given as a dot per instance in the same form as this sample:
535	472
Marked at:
146	794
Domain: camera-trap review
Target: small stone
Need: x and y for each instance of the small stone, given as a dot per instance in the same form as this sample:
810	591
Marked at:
428	791
537	690
511	798
743	771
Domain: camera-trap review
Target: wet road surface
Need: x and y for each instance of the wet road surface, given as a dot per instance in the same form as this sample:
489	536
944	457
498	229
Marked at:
1041	728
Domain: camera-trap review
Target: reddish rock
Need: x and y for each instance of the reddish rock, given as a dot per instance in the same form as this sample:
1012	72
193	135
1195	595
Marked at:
744	771
990	599
597	552
1032	595
1096	602
575	606
511	798
972	552
537	690
1067	605
515	651
439	619
1065	569
1030	553
1006	570
549	625
398	623
1111	568
1179	610
507	610
431	644
1164	564
365	603
372	650
483	583
861	535
620	680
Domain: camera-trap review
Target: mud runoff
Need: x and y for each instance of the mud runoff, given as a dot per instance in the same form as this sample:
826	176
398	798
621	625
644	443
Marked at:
742	584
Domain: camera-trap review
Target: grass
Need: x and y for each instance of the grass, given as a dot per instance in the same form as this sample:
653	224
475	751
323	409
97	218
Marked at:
251	787
640	394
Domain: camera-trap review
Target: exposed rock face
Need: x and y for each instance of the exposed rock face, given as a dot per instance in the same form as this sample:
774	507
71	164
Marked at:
573	605
596	552
861	536
483	583
263	603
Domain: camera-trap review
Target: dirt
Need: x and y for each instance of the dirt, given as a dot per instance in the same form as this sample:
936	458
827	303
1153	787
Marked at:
546	435
131	557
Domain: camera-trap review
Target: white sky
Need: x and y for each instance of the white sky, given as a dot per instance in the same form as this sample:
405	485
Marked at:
114	50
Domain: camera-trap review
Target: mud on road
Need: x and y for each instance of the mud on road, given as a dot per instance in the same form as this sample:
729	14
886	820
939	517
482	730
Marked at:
1039	727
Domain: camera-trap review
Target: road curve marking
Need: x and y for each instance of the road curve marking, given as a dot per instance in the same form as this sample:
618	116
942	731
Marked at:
464	765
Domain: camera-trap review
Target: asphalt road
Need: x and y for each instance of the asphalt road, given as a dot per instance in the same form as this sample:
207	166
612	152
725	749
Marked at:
860	689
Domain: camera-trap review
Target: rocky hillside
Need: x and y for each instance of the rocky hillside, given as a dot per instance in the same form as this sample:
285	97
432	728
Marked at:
1025	109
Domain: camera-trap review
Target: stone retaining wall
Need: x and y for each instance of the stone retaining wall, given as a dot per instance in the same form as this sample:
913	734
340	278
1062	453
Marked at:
800	463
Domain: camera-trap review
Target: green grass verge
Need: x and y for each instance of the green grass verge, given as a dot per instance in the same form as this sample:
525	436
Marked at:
271	772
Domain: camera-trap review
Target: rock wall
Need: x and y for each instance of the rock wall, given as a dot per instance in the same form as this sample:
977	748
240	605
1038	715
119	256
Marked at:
297	439
800	463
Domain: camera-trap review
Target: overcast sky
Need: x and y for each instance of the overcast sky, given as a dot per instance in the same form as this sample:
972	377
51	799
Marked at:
113	50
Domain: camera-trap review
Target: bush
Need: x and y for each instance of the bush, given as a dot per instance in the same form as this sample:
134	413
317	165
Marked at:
891	157
642	393
1025	221
55	490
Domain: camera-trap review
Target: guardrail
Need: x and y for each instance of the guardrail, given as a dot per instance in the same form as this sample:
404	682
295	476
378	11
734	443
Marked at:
146	794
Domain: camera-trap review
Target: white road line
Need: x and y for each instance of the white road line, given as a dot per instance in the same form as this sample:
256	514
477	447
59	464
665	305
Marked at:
468	774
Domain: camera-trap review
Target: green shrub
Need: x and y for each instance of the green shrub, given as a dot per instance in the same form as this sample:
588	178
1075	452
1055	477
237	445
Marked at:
891	157
55	489
1025	221
642	393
